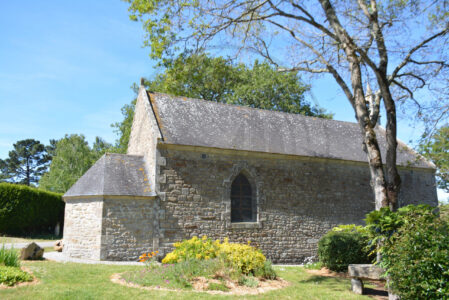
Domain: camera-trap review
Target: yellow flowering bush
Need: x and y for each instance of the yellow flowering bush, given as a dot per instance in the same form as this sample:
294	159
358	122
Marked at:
244	258
194	248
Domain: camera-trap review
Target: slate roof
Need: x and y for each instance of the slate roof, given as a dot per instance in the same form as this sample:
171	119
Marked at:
113	174
194	122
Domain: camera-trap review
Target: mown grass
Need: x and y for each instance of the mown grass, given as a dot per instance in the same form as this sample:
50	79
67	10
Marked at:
444	212
81	281
28	239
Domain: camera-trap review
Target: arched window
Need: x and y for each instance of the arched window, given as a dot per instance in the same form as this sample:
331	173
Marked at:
242	206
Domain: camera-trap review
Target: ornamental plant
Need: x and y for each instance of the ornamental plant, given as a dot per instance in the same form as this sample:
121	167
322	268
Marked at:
194	248
9	257
242	257
11	275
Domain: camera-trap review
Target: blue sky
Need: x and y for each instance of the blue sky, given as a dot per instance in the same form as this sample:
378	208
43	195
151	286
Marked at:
67	67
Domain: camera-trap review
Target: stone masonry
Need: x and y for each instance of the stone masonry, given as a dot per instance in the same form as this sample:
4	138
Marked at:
298	200
307	175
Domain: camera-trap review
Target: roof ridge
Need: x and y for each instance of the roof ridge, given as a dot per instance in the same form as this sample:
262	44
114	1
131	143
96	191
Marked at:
183	98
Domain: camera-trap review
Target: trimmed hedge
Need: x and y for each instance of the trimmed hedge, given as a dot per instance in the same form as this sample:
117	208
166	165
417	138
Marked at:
26	210
338	249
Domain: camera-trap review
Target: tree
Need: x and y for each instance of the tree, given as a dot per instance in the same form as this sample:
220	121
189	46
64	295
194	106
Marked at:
26	163
436	148
72	158
219	80
396	46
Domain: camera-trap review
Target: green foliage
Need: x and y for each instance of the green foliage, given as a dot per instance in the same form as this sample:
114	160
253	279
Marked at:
266	271
351	228
415	251
194	248
26	163
382	224
213	286
220	80
444	212
338	249
249	281
9	257
12	275
436	148
245	259
177	275
123	128
72	158
25	210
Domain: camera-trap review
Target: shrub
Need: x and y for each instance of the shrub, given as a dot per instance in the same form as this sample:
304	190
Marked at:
266	271
194	248
414	251
9	257
12	275
244	258
28	210
336	250
249	281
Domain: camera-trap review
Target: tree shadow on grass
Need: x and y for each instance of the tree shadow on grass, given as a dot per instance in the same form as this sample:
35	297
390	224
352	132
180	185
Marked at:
335	283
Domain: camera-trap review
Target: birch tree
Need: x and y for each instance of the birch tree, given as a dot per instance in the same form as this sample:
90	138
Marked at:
397	47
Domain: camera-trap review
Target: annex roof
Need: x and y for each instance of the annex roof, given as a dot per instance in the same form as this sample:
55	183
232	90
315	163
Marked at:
195	122
113	175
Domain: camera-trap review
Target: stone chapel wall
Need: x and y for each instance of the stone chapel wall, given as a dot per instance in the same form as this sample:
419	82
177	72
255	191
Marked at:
128	228
82	228
299	199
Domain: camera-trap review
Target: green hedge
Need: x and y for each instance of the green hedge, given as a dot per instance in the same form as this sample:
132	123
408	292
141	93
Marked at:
338	249
26	210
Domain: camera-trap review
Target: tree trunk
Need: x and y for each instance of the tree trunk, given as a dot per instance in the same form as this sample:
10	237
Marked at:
371	145
28	172
393	178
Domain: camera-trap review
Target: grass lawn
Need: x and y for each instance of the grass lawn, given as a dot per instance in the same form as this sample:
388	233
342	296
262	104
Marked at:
82	281
40	238
444	212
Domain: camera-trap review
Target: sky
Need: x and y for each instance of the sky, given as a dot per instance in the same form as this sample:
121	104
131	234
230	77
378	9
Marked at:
67	66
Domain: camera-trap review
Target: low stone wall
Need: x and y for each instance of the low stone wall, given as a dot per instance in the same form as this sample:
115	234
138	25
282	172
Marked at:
82	230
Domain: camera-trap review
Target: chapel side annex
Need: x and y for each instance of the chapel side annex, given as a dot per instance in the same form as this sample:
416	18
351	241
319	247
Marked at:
195	167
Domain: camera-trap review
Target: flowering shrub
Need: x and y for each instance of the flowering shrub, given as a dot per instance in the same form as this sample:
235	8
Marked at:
244	258
194	248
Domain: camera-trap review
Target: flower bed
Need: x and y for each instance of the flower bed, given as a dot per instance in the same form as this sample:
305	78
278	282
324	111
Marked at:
203	264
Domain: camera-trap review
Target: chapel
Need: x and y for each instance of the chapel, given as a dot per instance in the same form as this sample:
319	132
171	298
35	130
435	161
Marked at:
197	168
